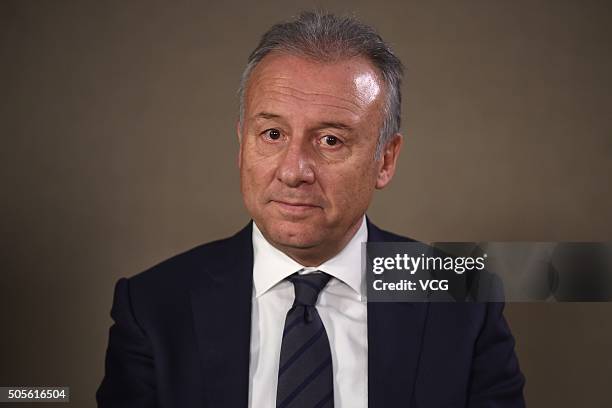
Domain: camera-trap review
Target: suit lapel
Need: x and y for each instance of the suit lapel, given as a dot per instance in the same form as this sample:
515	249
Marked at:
221	298
221	305
395	333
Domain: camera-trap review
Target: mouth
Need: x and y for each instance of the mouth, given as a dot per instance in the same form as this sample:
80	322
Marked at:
295	208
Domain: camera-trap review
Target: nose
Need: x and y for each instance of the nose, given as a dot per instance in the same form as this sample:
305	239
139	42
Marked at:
297	164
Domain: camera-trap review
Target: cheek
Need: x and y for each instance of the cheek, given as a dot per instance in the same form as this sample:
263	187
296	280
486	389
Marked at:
255	175
253	159
352	190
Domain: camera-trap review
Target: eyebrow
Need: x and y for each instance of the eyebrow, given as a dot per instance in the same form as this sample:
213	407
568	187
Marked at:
267	115
326	124
336	125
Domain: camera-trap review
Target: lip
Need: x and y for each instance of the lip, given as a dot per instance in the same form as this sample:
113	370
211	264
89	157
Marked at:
295	208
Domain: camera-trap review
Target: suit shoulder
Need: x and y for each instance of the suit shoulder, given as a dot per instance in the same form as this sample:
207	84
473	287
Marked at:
180	268
390	236
377	234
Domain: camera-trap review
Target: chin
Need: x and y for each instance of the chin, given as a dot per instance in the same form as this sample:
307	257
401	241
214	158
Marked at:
295	234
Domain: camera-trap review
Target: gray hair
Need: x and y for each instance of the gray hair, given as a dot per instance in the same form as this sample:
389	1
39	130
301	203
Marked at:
326	37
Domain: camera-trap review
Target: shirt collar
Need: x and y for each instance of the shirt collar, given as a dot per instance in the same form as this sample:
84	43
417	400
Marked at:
271	266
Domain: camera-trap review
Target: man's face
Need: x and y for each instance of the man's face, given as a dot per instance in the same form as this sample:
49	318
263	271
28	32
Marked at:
307	150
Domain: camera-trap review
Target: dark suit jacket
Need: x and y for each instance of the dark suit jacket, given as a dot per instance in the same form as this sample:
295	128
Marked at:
181	339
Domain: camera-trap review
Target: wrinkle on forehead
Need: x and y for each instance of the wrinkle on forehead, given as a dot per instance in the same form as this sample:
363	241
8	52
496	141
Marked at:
349	85
280	94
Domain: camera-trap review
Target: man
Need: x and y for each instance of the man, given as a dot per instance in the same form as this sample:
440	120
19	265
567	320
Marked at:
276	315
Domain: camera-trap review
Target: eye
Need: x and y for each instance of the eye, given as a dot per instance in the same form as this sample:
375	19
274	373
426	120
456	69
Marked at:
329	140
272	134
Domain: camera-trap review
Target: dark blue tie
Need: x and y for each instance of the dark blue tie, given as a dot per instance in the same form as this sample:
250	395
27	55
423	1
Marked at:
305	376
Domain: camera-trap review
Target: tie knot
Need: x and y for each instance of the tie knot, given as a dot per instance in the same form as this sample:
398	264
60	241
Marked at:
308	286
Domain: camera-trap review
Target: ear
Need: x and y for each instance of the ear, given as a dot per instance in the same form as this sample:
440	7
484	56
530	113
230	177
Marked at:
239	134
388	161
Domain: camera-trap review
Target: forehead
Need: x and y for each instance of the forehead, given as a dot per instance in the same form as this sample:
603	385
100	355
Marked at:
348	87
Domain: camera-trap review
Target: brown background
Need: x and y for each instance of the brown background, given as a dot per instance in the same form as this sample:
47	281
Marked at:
118	150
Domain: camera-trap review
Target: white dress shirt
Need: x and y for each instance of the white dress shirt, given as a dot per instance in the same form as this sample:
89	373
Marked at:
341	305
